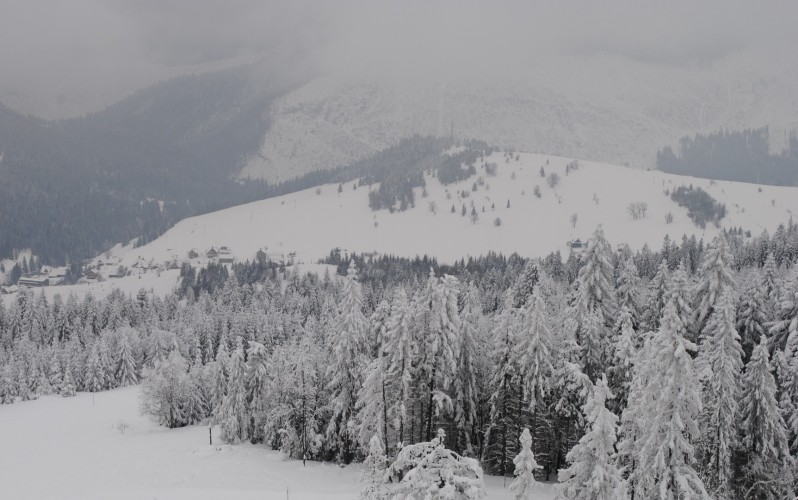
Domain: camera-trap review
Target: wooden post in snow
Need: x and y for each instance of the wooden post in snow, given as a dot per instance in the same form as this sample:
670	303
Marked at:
210	435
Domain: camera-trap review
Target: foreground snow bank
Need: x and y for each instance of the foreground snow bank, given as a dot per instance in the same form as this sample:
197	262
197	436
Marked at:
99	447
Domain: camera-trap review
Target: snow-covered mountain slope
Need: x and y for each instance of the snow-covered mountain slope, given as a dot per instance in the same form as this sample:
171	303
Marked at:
98	446
311	223
588	106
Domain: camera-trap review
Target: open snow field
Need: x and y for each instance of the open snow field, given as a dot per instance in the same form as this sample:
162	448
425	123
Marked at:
312	224
76	448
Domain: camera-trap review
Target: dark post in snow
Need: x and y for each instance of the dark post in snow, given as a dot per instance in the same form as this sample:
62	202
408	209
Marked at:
210	435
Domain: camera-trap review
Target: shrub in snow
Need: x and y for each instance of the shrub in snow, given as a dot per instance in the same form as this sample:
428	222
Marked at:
525	466
68	386
637	209
374	469
430	471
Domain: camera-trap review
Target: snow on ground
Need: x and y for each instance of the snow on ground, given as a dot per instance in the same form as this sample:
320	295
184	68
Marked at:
312	224
75	448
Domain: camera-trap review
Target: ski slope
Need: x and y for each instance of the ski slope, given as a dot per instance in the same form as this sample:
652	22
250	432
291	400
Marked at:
79	449
311	224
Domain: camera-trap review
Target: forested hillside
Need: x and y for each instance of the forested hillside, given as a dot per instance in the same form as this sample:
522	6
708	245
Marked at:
691	348
73	188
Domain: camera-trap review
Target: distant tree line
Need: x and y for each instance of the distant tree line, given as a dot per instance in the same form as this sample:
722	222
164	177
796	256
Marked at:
742	156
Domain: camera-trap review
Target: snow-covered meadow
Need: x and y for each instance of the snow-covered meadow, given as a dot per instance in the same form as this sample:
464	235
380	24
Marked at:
94	447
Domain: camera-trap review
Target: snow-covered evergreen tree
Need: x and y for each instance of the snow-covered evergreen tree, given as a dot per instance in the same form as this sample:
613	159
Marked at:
95	371
439	320
400	347
628	290
504	398
7	386
373	403
593	474
767	472
257	387
524	483
634	424
679	292
786	312
623	359
596	283
465	382
166	390
657	297
233	416
219	374
126	364
720	356
534	343
68	385
346	371
714	279
667	458
753	313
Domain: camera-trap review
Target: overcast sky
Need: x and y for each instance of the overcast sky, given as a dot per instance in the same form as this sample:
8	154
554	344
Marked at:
91	47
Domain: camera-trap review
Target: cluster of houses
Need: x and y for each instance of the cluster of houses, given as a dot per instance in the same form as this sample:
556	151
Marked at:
222	255
46	277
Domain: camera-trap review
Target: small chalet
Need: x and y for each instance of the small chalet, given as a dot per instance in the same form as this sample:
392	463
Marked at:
118	272
192	254
212	253
577	244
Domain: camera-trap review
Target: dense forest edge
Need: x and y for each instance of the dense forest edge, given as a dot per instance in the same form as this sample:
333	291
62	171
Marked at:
742	156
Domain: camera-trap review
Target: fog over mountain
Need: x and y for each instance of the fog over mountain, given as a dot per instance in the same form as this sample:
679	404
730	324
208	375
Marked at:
67	58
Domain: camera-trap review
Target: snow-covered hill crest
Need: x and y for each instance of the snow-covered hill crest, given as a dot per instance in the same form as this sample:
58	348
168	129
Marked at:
509	216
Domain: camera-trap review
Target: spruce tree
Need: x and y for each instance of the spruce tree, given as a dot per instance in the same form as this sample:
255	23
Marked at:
505	384
373	403
786	312
401	349
623	359
595	283
657	297
524	483
232	416
593	474
720	355
219	375
627	289
714	278
534	344
752	313
679	292
95	372
671	419
257	382
126	365
346	371
766	473
465	382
